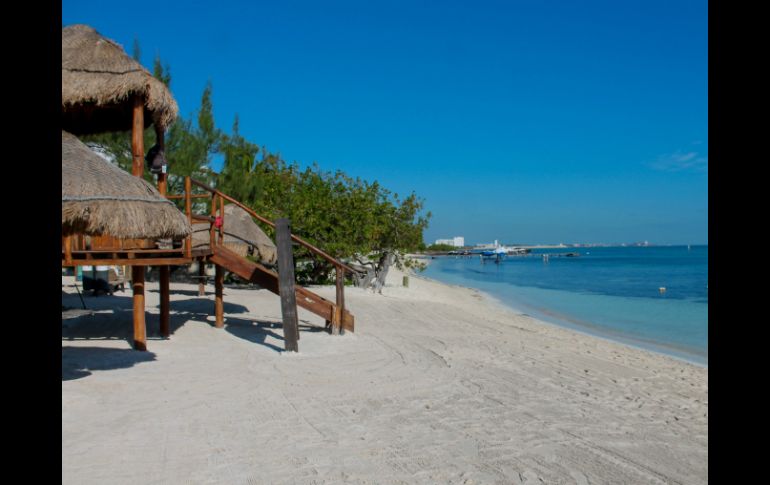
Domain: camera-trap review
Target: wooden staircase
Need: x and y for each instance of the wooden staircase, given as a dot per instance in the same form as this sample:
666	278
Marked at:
268	279
333	312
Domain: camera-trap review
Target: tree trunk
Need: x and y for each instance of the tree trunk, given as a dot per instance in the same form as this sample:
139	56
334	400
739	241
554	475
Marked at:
368	278
386	261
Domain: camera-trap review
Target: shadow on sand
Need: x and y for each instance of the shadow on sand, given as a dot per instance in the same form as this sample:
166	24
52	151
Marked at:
113	320
257	331
78	362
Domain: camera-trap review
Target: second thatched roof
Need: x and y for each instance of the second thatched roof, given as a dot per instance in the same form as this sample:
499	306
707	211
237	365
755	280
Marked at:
241	235
101	198
99	81
239	227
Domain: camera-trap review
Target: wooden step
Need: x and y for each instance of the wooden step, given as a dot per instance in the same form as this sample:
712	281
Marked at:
268	279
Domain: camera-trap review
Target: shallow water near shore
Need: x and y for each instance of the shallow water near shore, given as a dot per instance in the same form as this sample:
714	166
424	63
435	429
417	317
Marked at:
611	292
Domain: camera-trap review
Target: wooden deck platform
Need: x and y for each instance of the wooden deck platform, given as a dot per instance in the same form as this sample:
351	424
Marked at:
134	257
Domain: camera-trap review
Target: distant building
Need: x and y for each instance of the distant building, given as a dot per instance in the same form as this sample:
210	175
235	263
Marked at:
457	241
493	245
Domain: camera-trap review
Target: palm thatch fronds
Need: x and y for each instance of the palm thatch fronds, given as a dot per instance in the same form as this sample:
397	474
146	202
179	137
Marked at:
241	235
240	228
99	198
99	81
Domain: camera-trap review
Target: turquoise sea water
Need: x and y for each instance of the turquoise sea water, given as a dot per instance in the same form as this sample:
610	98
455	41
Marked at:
612	292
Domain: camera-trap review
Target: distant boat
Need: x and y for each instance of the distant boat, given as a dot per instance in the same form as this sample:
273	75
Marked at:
496	254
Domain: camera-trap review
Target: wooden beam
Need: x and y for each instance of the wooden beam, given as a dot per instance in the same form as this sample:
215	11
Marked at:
151	252
222	215
314	303
68	249
336	320
340	300
286	284
248	270
188	211
137	137
268	279
192	196
212	228
165	272
219	306
89	260
140	328
198	217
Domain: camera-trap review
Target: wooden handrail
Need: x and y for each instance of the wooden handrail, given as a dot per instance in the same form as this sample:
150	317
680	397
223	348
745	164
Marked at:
211	225
340	267
182	196
222	219
298	240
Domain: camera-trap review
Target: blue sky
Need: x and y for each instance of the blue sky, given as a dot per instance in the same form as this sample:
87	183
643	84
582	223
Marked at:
524	121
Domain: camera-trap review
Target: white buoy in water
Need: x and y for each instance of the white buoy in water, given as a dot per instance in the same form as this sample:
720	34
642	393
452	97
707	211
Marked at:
662	289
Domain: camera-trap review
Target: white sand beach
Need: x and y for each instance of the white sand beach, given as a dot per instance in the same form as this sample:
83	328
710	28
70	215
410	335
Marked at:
438	384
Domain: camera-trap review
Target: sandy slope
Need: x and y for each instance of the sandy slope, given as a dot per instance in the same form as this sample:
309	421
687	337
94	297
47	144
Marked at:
437	385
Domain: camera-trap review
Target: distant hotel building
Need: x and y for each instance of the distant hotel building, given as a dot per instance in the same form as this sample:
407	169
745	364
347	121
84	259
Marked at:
493	245
457	242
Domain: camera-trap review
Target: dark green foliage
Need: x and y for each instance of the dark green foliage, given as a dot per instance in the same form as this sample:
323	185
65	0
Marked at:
161	71
237	178
137	54
346	217
440	247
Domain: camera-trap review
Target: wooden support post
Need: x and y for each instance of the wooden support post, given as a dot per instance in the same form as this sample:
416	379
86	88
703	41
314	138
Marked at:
188	211
68	249
336	320
222	215
165	272
286	284
140	329
137	272
137	137
201	277
212	228
339	308
219	305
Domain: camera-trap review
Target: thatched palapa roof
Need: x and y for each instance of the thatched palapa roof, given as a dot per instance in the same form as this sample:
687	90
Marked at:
241	235
239	227
99	81
101	198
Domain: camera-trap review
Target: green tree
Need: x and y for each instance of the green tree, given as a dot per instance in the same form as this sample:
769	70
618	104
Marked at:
238	177
137	51
348	218
161	71
190	148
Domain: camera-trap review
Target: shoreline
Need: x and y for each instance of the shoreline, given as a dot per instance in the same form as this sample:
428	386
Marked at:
439	384
589	329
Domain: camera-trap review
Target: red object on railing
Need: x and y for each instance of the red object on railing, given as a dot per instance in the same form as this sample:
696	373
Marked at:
218	221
